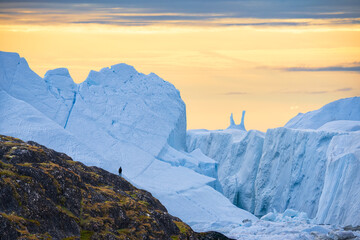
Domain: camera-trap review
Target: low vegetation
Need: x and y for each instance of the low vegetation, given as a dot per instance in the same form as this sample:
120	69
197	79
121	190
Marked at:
46	195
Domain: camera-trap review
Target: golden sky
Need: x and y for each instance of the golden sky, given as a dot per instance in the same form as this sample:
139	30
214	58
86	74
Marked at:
273	68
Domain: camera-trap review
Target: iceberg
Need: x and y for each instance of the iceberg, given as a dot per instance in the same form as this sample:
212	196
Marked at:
311	165
118	117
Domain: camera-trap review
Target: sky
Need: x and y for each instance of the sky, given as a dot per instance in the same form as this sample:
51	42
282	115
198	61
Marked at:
272	58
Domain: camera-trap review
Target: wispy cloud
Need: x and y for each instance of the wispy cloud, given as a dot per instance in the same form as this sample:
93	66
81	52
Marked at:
317	92
343	89
325	69
306	92
346	67
235	93
200	12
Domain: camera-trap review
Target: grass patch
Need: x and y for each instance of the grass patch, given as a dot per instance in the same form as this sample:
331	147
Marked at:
86	235
71	238
8	173
68	213
5	165
144	203
182	227
124	231
13	218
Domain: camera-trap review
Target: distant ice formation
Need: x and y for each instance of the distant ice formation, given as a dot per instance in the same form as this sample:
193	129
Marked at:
240	126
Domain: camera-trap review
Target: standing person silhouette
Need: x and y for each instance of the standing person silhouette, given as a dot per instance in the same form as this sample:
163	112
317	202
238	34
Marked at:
120	171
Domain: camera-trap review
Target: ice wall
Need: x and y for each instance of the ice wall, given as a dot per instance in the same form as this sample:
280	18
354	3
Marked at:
340	199
238	154
311	170
291	170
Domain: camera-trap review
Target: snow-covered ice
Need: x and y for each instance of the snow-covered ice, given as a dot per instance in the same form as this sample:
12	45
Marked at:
313	168
340	199
291	170
297	176
292	225
117	117
342	109
237	154
16	115
341	126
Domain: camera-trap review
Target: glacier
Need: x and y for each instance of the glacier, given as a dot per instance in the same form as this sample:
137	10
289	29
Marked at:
296	176
118	117
310	165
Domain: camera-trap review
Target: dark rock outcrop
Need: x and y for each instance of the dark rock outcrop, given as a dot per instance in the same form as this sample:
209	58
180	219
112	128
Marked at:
46	195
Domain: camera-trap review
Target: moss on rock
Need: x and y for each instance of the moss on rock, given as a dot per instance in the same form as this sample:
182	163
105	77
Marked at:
46	195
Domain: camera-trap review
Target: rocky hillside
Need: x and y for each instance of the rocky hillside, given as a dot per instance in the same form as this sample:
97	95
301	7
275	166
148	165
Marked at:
46	195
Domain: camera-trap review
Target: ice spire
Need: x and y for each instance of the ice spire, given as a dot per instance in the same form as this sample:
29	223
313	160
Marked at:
233	125
242	124
232	122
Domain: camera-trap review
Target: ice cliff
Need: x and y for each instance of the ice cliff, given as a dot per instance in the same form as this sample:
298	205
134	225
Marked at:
238	155
340	199
291	170
118	117
310	165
